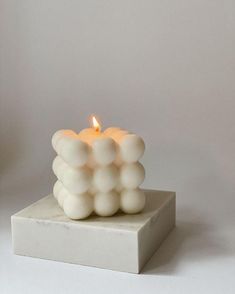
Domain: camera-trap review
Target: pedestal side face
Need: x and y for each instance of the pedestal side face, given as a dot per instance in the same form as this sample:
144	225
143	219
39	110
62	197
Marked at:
104	248
155	230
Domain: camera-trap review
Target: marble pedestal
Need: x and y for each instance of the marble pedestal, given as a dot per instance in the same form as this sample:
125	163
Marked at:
122	242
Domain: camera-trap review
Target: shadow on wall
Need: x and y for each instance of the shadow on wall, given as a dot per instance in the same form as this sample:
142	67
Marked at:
187	243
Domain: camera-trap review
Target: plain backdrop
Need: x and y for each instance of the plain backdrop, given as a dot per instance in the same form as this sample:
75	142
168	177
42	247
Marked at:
162	69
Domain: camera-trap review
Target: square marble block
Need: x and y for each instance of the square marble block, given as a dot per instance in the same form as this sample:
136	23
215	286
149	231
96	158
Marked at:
121	242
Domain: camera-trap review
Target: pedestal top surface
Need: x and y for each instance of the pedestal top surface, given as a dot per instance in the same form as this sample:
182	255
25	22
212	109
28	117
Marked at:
47	210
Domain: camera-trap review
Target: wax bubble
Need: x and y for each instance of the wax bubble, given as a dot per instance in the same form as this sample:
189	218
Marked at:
77	180
78	206
104	151
132	175
106	204
105	178
132	201
131	148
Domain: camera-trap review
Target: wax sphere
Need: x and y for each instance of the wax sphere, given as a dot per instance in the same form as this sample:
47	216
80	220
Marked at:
74	151
104	151
105	178
88	135
56	137
60	134
77	180
109	131
78	206
87	132
132	175
106	204
119	135
57	186
132	201
59	166
62	195
55	164
131	148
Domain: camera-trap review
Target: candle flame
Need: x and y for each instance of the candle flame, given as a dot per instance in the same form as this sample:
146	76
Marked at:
96	125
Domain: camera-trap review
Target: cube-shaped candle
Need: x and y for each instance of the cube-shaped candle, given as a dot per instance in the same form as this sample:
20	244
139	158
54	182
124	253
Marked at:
98	171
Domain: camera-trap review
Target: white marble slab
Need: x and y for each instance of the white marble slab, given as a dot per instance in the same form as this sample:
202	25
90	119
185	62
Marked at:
122	242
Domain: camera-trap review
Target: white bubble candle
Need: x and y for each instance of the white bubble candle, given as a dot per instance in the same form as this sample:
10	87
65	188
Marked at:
98	171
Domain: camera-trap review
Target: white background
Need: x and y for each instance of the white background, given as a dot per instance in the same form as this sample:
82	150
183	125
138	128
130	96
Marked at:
162	69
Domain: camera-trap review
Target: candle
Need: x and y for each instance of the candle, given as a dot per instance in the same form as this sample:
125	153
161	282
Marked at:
98	171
